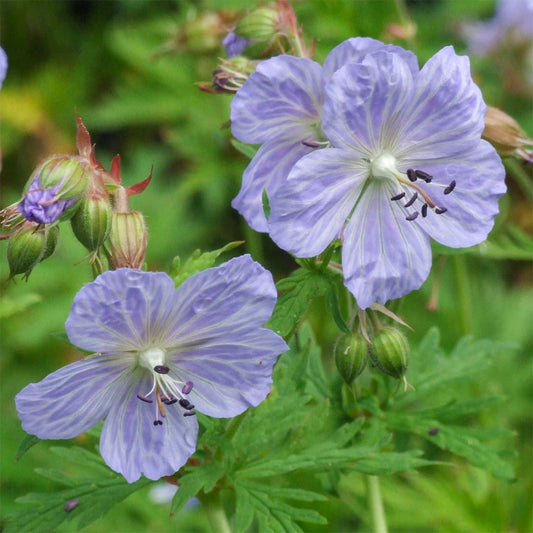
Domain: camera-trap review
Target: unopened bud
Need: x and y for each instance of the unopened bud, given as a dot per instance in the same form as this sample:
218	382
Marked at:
261	24
506	135
54	190
390	352
128	239
28	246
91	223
351	355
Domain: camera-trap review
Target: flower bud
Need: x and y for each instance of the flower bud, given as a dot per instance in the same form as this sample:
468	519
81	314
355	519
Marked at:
231	74
351	355
260	25
54	190
128	239
390	352
28	246
92	222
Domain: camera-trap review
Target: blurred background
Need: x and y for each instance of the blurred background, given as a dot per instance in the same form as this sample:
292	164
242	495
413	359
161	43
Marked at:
131	70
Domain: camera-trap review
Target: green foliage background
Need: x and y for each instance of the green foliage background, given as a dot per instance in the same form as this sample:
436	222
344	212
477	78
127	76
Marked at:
130	69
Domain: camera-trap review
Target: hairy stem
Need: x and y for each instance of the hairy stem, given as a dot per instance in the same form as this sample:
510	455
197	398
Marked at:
215	512
465	297
375	502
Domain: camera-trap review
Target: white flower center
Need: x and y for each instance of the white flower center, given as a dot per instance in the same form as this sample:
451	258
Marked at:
151	358
384	166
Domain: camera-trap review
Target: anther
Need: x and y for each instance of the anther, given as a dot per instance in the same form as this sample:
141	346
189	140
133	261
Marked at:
144	399
412	216
412	200
423	176
169	402
440	210
184	403
161	369
187	387
411	174
450	187
398	197
188	413
425	210
158	423
311	144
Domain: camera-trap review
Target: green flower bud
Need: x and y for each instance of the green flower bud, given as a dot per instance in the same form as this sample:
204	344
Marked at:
390	352
28	246
91	223
260	25
351	355
128	239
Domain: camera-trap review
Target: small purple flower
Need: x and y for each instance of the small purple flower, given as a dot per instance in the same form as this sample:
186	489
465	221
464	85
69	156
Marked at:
234	44
161	354
41	204
407	164
3	66
280	107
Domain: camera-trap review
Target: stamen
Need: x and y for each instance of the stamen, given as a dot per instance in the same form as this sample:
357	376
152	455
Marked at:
450	187
188	413
412	200
412	216
144	399
170	402
187	388
398	197
440	210
161	369
158	423
184	403
425	210
160	406
423	176
411	174
311	144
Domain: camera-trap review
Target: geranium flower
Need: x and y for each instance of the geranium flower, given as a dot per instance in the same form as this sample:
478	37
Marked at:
161	354
280	107
407	164
3	66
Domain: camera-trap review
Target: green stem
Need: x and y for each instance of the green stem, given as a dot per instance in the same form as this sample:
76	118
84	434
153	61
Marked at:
215	512
514	168
375	502
463	289
253	243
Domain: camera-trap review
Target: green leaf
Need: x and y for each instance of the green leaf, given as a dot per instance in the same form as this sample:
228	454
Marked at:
197	262
332	302
245	149
10	306
96	492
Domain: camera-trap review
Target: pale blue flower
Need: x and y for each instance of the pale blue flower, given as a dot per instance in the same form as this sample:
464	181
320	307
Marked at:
234	44
3	66
161	354
407	164
280	107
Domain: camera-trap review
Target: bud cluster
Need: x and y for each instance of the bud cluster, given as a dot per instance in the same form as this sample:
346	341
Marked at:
75	188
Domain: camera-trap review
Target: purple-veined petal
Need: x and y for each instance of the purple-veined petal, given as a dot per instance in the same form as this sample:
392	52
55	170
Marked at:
310	209
384	256
234	44
72	399
363	101
118	311
355	48
281	98
473	204
235	297
132	445
3	66
446	111
268	170
232	372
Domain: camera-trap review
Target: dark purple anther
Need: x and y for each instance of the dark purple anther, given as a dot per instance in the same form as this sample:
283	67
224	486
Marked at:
169	402
158	423
450	187
144	399
425	210
311	144
411	174
440	210
185	403
187	388
412	216
161	369
71	504
188	413
433	431
398	197
423	176
412	200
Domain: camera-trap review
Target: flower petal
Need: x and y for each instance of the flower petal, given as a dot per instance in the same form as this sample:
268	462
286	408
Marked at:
445	112
282	97
233	298
72	399
117	311
230	373
310	209
268	170
384	256
132	445
355	48
363	100
473	204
